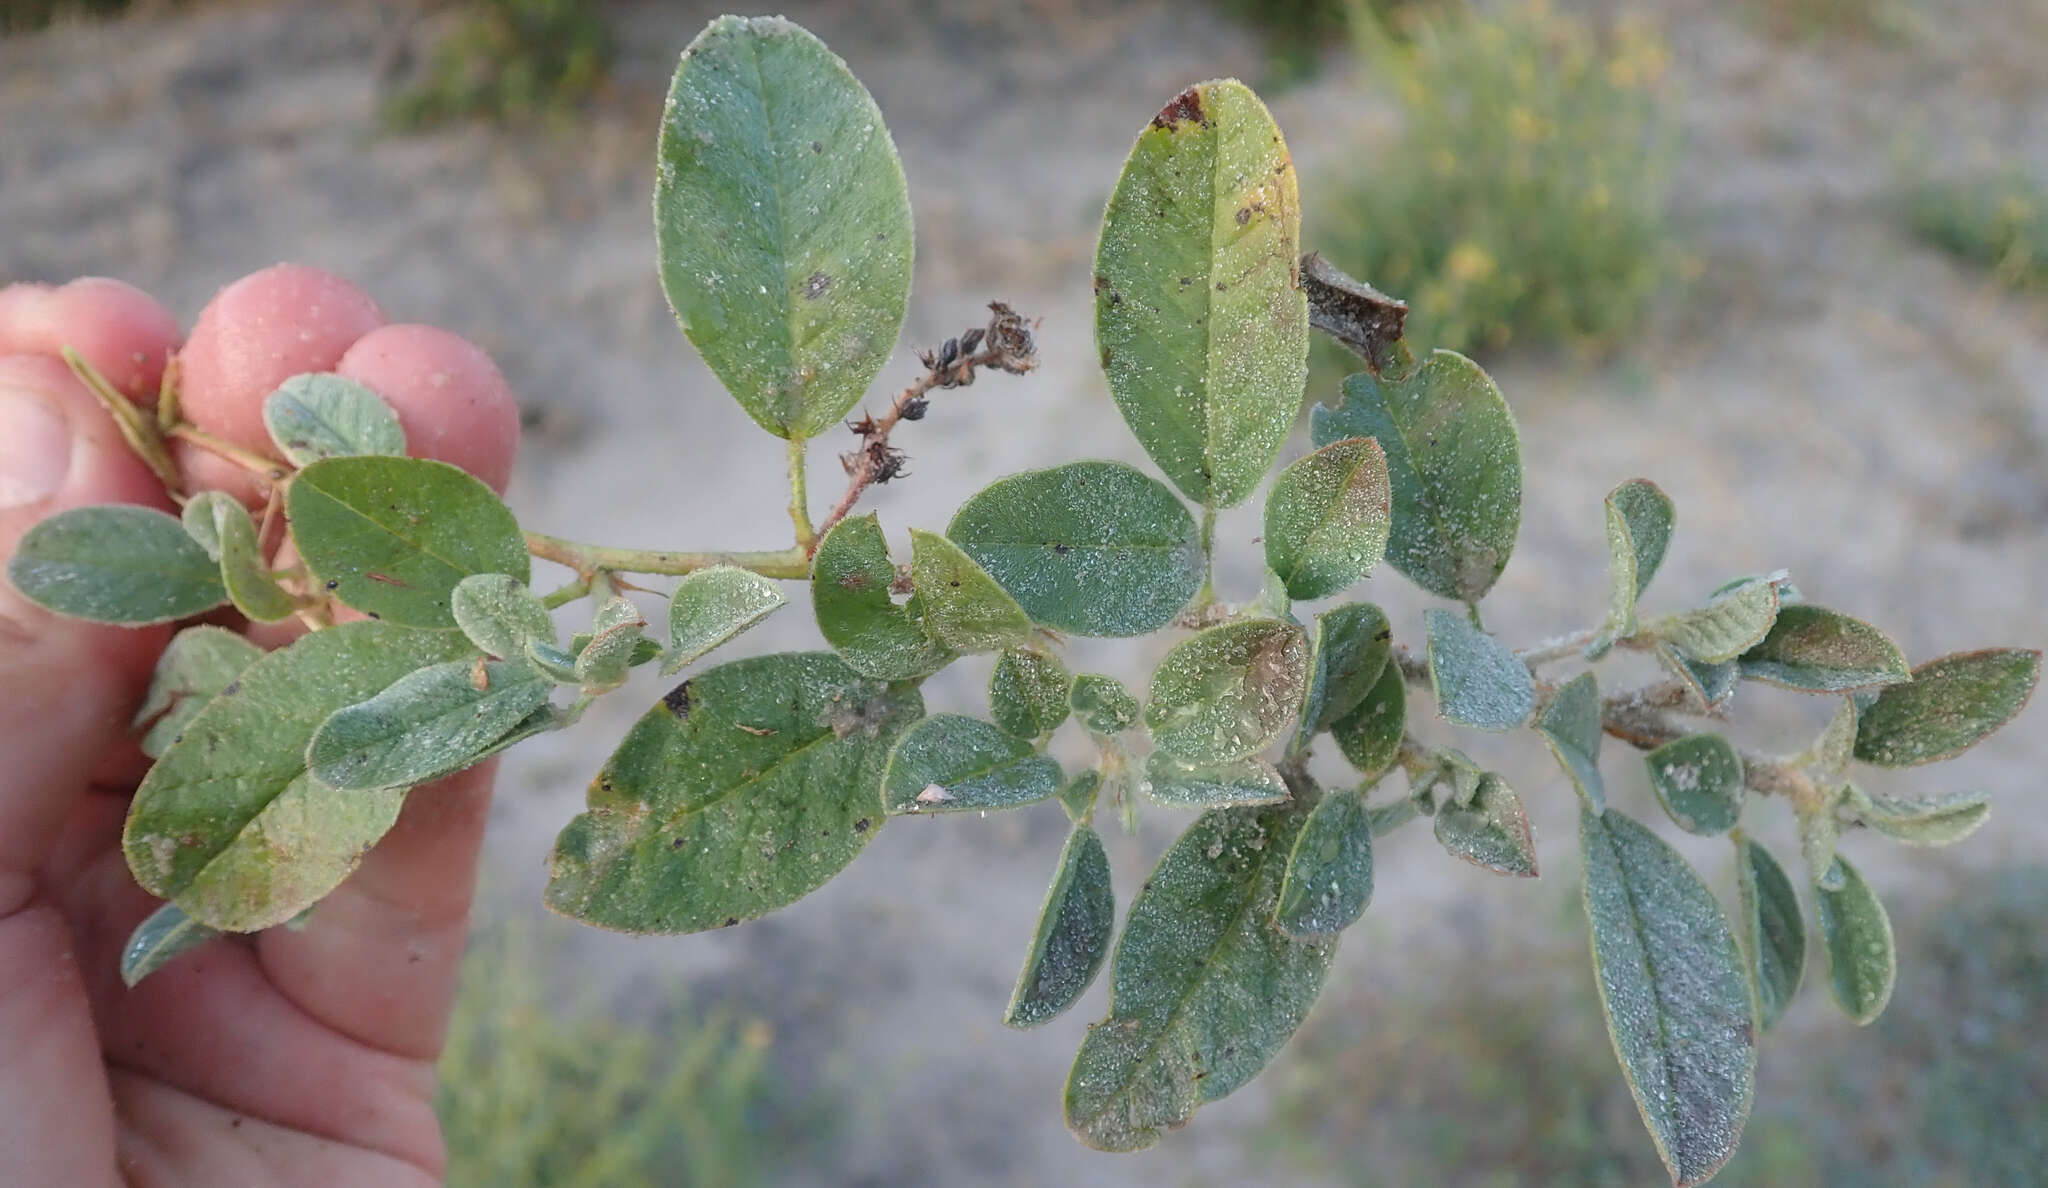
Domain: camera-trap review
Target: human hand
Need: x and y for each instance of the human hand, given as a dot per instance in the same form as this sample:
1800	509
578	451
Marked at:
291	1057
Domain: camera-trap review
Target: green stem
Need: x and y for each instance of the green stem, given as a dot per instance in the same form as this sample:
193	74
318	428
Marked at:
791	564
566	594
1208	592
799	496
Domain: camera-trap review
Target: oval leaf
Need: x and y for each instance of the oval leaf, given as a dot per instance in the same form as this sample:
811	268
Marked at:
1863	963
1713	683
1204	989
1570	724
711	606
1228	692
1640	517
1248	781
1935	821
1492	832
1078	796
742	791
1102	704
115	563
320	415
166	935
964	609
1092	548
199	663
1027	693
225	530
1816	650
1698	779
1370	736
1773	929
1726	626
426	724
392	536
950	763
1949	706
782	222
499	615
229	824
1454	460
1072	936
1199	311
1326	518
1329	871
1351	649
1672	986
851	578
1478	681
615	637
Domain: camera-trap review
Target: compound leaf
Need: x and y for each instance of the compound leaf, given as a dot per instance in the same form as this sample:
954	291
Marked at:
1698	779
1092	548
499	615
1863	962
965	610
1326	518
1072	936
1570	724
115	563
322	415
1352	645
1027	693
782	222
426	724
1454	459
1773	931
745	789
1816	650
1478	681
1950	705
1492	832
198	663
166	935
1227	692
392	536
851	577
1212	785
1726	627
711	606
1672	986
951	763
1204	989
1199	311
229	823
1329	871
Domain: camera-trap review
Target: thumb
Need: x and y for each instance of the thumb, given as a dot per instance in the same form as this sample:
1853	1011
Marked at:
70	685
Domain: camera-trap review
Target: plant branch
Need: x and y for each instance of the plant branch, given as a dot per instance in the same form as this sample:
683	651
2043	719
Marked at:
1006	344
791	564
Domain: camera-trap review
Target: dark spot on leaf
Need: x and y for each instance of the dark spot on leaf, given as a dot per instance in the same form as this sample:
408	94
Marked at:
853	580
677	844
678	700
333	583
1189	280
231	688
731	920
816	284
1221	287
861	826
1244	215
1101	282
1061	549
817	147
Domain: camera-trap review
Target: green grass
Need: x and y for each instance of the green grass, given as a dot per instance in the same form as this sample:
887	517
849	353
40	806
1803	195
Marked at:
507	60
538	1095
1524	198
1996	218
23	16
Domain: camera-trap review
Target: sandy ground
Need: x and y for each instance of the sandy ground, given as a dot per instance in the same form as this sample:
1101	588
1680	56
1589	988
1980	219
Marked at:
1830	397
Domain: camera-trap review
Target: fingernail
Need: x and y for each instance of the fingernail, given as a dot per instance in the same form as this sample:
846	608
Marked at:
35	448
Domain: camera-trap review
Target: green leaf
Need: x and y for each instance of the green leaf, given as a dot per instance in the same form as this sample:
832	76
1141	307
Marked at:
199	663
1027	694
1072	936
1698	779
1352	645
615	635
950	763
1863	963
742	791
1570	724
1204	989
851	577
221	526
1673	989
1329	871
1819	831
1228	692
782	222
1640	517
1199	312
1078	796
1102	704
710	607
229	824
1478	681
1934	821
166	935
1726	626
1816	650
321	415
1370	736
499	615
1452	771
1091	548
1326	518
1212	785
1773	931
1949	706
426	724
1714	683
1492	832
1454	459
115	563
392	536
964	609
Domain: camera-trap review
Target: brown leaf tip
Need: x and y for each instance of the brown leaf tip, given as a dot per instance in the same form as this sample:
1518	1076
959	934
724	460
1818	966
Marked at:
1186	107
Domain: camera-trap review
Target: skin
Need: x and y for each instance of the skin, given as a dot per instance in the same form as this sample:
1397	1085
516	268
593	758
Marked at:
291	1057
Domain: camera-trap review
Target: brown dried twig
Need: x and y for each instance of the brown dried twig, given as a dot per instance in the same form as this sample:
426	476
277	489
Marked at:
1006	344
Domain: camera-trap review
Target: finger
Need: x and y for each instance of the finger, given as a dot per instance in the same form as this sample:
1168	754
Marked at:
451	399
116	327
255	334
